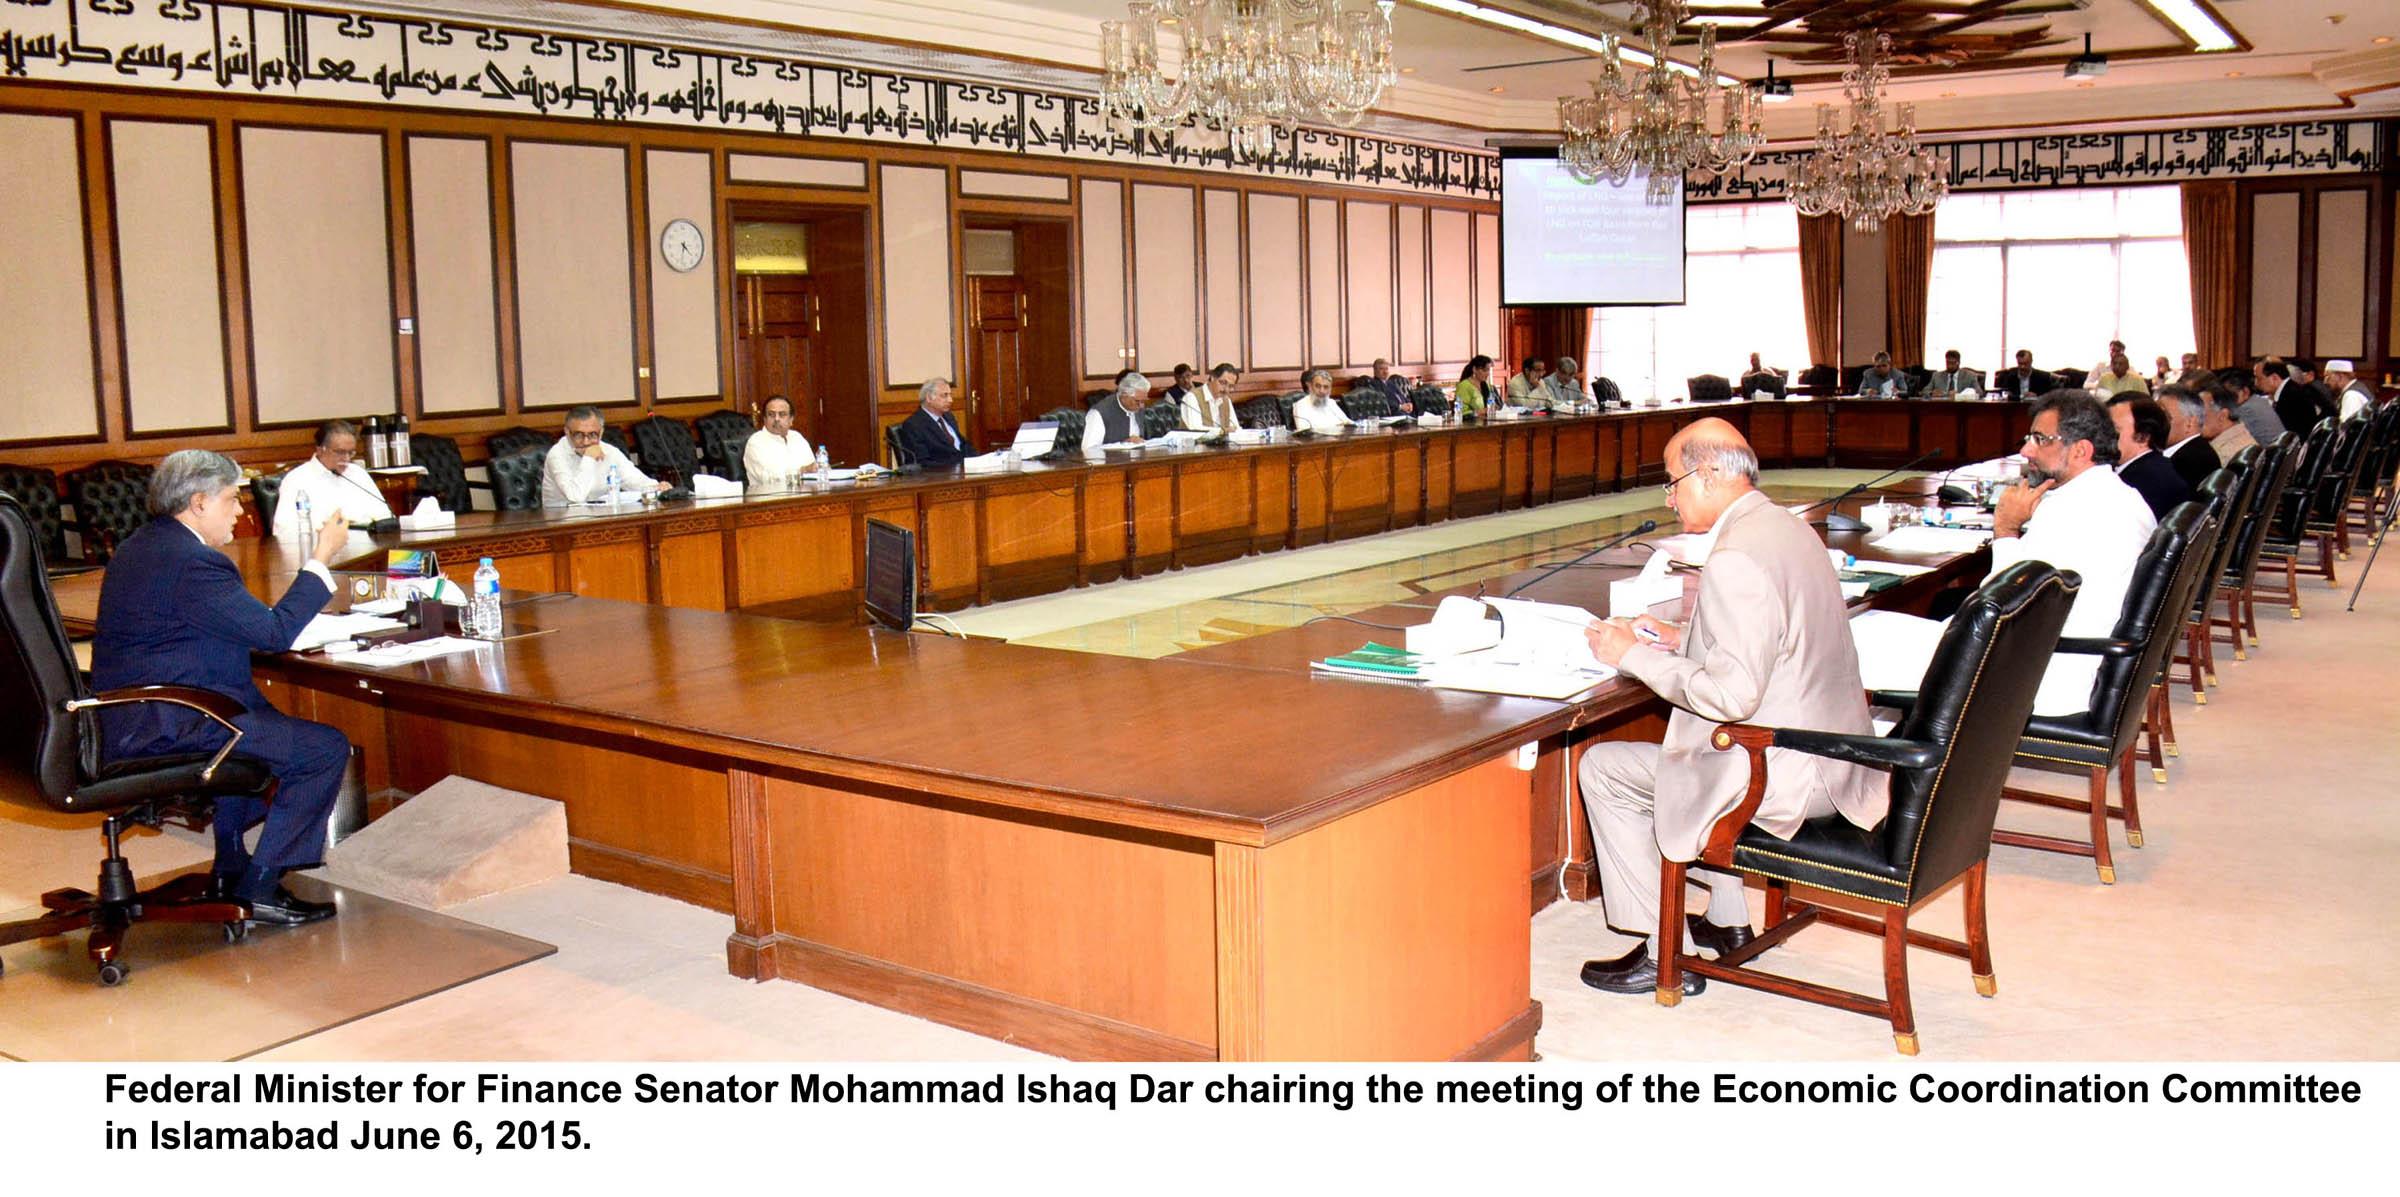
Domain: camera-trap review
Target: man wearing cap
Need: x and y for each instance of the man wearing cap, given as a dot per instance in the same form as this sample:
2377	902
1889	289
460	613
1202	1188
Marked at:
2351	393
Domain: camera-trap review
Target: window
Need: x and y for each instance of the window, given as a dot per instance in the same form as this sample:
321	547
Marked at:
1742	286
2060	273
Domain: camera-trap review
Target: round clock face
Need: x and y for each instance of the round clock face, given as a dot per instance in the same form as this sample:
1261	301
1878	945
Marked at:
681	245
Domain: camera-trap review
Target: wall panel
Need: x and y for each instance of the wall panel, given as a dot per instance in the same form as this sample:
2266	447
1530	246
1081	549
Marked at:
320	269
450	238
1453	290
1487	286
1221	222
1275	283
916	275
2275	273
796	172
1412	284
1863	291
1165	290
574	275
164	193
1367	234
683	304
1009	185
1105	339
1324	282
2341	268
47	389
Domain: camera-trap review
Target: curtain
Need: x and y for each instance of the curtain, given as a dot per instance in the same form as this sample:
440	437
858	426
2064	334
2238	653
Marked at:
2208	243
1564	332
1821	287
1907	277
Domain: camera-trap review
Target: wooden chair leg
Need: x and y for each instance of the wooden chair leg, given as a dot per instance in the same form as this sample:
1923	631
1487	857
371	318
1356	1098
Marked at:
1778	904
2208	647
2099	796
1979	939
2192	655
2161	732
2133	814
2250	613
1670	933
1895	979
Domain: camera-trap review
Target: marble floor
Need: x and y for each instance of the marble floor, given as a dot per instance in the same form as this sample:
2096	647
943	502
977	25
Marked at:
2251	926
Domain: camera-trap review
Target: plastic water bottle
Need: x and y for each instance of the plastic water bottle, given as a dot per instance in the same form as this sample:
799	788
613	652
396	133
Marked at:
483	606
612	485
824	467
308	523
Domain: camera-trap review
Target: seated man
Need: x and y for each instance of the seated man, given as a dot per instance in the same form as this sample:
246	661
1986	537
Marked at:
2141	433
1210	408
1318	412
2188	451
1760	377
2071	511
1564	389
2221	421
1881	379
1114	419
1182	385
1394	386
331	480
2119	378
2024	382
2352	394
582	468
931	434
1765	644
776	454
2255	411
1952	378
174	612
2294	401
2189	374
1528	380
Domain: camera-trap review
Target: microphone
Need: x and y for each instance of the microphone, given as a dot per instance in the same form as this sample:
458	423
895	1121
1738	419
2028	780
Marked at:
1647	527
1835	521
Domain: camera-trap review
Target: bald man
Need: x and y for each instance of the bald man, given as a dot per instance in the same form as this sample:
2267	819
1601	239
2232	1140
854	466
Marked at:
1768	643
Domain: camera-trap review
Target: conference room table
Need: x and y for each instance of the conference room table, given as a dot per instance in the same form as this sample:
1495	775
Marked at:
1094	856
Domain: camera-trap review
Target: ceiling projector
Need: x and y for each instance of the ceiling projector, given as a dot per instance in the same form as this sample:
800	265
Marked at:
2087	65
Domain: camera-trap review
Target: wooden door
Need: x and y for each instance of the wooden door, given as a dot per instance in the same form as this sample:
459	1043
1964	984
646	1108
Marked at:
995	392
775	351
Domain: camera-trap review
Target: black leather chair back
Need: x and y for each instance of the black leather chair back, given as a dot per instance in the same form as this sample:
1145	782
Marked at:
895	448
1265	411
1606	390
1850	377
1285	404
508	442
667	449
2228	492
1917	377
1370	404
36	491
2152	617
1070	427
266	492
2332	494
517	480
1158	419
2293	500
1428	400
1972	705
1708	388
445	471
723	434
1093	399
2071	377
1820	376
112	500
40	752
2276	461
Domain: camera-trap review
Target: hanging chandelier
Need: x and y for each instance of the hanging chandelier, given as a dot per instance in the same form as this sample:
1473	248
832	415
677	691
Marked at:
1656	121
1865	173
1247	66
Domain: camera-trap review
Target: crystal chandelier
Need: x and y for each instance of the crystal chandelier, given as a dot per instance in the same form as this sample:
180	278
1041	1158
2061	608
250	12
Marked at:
1247	66
1865	173
1657	121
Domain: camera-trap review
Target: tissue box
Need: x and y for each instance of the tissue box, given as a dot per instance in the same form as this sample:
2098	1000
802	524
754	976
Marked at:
1439	639
1635	596
437	518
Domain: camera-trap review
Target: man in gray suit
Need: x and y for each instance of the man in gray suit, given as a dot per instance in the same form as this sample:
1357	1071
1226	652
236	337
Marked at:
1769	642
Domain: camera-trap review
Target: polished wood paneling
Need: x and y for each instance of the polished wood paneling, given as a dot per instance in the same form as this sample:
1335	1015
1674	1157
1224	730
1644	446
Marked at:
1214	505
1105	519
1440	479
450	240
1324	255
1360	498
1271	500
691	569
1408	486
168	272
1276	296
613	563
1516	466
1476	475
1574	461
1166	301
1028	522
949	547
795	553
1153	524
1310	479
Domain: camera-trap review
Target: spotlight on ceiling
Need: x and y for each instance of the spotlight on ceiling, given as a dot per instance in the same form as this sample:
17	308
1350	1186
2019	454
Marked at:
2087	65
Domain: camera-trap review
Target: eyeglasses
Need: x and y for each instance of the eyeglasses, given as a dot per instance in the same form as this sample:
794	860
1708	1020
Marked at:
576	437
2039	438
1677	480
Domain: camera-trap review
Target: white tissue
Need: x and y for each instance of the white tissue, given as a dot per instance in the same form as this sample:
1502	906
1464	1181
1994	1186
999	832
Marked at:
1458	626
1629	597
709	486
428	514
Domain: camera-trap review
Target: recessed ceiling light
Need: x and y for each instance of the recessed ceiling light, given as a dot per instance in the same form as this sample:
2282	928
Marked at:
2233	74
2195	22
2381	40
1498	90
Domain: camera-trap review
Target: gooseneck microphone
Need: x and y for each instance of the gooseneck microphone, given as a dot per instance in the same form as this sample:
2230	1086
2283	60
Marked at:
1647	527
1835	521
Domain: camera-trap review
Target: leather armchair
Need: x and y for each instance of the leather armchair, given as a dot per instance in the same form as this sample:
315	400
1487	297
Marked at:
723	434
2288	528
266	491
1373	403
508	442
668	451
36	491
445	471
1265	411
897	449
1158	419
1948	759
2238	584
517	480
1429	400
1708	388
1606	390
2228	492
52	763
112	500
1070	428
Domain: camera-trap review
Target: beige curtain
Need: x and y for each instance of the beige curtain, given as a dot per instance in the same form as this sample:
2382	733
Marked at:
1821	287
1907	276
2208	244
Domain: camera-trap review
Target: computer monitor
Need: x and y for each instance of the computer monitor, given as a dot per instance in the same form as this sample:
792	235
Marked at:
891	575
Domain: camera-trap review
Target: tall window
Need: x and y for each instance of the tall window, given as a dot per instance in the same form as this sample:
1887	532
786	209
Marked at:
2060	273
1741	295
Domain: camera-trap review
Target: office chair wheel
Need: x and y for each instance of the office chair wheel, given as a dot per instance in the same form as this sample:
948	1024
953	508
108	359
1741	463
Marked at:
112	974
237	930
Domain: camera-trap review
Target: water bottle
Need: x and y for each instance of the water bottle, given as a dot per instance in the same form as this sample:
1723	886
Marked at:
483	607
308	524
824	467
400	442
612	486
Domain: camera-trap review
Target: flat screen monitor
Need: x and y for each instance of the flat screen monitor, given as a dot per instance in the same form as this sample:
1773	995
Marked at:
1564	241
891	575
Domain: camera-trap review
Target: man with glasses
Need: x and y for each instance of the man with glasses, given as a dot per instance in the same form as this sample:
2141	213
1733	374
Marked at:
332	480
580	466
1767	644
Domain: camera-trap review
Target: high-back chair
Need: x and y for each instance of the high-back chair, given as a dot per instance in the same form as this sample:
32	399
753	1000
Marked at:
1070	428
2238	584
1708	388
1265	411
36	491
112	501
266	494
517	480
445	471
667	449
508	442
2233	484
723	434
1948	758
50	752
1158	419
2288	530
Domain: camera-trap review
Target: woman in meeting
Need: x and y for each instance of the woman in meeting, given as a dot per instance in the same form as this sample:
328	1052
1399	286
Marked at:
1475	386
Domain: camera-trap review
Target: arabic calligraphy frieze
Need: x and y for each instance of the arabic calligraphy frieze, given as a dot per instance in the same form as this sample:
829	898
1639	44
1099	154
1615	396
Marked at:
259	49
2108	159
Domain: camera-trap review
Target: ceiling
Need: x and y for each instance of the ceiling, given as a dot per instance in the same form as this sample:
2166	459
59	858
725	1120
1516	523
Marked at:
1464	82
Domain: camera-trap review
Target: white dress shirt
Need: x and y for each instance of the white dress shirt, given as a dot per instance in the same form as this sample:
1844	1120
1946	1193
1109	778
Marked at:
1319	415
1095	429
351	492
768	459
2096	526
1560	393
569	477
2356	398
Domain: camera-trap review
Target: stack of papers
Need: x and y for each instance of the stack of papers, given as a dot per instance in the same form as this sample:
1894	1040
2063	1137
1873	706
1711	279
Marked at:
394	652
1481	673
1921	539
328	628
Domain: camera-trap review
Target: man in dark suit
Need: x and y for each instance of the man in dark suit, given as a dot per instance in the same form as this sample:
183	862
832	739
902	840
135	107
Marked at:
173	611
2193	457
2025	382
931	434
2295	402
2141	432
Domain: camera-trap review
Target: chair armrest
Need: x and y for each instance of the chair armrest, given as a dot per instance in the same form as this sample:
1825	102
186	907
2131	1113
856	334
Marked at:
2099	646
1857	749
208	702
1899	700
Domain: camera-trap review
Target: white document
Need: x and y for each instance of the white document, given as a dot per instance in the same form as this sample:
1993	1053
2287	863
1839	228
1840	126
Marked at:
986	463
1921	539
709	486
396	653
1901	569
1035	437
1691	548
1629	597
1479	672
1546	635
328	627
1894	649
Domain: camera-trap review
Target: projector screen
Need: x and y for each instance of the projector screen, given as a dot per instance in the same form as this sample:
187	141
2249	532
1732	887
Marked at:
1566	242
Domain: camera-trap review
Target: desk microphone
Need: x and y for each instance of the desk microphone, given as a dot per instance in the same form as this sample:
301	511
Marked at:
1835	521
1647	527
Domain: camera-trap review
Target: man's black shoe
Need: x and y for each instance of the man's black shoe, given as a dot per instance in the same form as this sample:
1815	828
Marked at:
283	908
1724	941
1634	973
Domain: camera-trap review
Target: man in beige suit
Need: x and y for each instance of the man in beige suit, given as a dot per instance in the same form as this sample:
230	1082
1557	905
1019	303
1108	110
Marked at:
1768	643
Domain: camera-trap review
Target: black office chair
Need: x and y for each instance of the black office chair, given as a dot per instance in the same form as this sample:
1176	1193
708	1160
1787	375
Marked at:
508	442
2230	489
445	475
2326	523
723	434
1818	377
266	490
668	451
1265	411
36	490
1070	428
2072	377
1429	400
1093	399
1708	388
897	449
1373	403
2289	527
1948	759
517	480
2239	584
49	746
1607	391
112	501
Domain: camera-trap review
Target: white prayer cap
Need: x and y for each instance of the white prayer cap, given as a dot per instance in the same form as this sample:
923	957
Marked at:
2341	365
